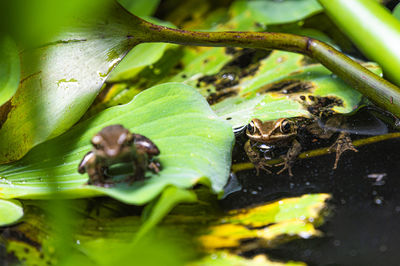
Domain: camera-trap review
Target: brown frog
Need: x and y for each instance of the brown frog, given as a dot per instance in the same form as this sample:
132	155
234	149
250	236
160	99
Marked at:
288	132
113	145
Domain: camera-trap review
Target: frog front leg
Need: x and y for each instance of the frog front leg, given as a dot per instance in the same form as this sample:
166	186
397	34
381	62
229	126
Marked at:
343	143
290	158
255	158
90	166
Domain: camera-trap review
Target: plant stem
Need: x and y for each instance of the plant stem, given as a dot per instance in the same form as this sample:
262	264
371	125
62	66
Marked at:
372	28
378	90
319	152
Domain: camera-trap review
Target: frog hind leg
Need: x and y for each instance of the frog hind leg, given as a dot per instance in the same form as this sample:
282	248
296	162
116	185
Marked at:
343	143
290	158
255	158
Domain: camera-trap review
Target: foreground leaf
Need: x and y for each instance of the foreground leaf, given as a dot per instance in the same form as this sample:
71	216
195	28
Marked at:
195	148
9	69
10	211
108	224
60	80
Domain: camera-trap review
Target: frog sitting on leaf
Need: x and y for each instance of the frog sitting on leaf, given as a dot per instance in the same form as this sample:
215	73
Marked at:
114	145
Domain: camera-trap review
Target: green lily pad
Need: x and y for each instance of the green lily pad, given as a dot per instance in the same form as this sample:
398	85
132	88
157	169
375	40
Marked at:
195	148
10	211
9	69
60	79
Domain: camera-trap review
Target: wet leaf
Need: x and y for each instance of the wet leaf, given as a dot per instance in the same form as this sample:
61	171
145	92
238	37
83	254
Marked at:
195	148
60	80
10	211
9	69
269	225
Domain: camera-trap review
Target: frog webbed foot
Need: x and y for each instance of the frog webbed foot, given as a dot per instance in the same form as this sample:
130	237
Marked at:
343	143
290	158
262	164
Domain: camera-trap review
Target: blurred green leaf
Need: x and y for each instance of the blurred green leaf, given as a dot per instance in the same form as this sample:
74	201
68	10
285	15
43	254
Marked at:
170	197
60	80
9	68
144	54
139	7
10	211
248	15
396	11
195	148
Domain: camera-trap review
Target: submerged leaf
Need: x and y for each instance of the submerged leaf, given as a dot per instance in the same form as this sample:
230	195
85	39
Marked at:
10	211
9	69
60	79
195	148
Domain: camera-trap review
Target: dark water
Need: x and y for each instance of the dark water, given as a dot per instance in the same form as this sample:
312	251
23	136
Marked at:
364	226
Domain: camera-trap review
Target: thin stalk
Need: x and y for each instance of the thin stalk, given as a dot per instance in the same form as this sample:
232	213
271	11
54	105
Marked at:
319	152
378	90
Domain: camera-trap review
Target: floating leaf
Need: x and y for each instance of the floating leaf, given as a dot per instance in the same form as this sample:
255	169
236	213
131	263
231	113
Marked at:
60	80
10	211
195	147
9	69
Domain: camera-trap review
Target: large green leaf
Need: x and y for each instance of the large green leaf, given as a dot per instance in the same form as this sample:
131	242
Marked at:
10	211
60	79
9	69
195	147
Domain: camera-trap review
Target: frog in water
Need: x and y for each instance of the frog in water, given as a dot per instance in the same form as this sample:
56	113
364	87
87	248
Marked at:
290	132
115	144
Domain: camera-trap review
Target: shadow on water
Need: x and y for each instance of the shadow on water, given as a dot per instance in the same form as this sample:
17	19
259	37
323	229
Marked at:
364	227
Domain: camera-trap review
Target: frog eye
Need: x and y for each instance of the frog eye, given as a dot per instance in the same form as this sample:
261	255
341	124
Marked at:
251	127
286	126
96	142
